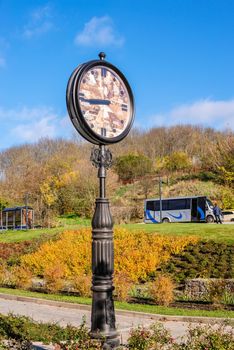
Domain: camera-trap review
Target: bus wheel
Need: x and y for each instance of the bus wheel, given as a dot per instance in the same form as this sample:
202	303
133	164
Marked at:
209	219
165	220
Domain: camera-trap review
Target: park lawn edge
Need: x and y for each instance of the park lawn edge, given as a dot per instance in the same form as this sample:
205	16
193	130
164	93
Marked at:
152	309
204	232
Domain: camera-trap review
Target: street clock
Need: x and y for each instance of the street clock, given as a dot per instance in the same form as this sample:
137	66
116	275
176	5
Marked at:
100	102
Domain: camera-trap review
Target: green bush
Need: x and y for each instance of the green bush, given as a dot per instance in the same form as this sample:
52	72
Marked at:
202	260
131	166
207	176
154	337
199	338
177	161
20	331
12	344
227	198
208	337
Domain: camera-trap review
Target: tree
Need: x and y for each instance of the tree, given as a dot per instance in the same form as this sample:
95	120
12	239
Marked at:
131	166
3	203
177	161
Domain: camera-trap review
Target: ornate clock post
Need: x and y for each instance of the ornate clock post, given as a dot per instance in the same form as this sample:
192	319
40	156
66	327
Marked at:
103	314
100	105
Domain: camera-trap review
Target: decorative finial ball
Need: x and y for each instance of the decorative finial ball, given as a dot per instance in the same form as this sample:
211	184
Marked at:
102	55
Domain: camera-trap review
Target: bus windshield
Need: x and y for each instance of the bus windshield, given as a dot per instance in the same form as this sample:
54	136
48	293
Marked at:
210	204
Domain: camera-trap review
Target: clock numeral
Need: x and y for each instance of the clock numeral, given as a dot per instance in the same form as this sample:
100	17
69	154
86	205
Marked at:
103	131
124	107
103	72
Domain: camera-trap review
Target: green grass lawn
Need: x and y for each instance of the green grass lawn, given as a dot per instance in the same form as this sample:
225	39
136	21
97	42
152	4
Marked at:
218	233
10	236
153	309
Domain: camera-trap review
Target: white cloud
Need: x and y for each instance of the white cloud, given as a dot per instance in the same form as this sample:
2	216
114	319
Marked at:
31	124
25	113
38	30
209	113
40	22
41	12
99	31
34	131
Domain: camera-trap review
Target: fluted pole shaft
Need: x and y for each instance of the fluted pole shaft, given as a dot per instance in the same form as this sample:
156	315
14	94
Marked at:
103	314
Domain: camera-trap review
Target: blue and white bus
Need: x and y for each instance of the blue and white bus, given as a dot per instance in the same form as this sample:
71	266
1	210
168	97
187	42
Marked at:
179	209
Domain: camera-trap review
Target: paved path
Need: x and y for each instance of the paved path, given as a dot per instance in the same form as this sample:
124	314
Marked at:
64	316
73	314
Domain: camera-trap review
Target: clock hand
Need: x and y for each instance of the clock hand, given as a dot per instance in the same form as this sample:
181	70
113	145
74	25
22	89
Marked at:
95	101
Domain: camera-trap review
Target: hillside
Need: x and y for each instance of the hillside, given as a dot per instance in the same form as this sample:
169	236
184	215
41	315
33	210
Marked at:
128	199
59	179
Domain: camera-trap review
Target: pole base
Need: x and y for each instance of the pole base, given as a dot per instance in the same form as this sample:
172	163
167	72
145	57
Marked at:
111	340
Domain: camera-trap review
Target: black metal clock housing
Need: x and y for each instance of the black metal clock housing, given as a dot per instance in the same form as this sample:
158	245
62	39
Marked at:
100	102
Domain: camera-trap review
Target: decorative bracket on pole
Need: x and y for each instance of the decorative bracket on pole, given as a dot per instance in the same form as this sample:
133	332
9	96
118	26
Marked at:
99	158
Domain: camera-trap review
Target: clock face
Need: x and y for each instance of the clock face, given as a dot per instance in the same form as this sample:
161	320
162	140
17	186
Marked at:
104	102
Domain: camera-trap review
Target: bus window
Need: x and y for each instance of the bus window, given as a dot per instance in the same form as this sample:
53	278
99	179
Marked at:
157	205
194	212
175	204
188	203
150	205
165	205
179	204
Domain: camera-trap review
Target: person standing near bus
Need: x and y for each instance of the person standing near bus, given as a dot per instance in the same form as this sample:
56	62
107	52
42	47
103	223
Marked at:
217	213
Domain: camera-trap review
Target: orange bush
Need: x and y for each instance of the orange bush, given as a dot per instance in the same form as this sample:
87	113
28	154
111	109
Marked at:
72	253
82	285
22	277
161	290
54	278
137	254
3	272
123	286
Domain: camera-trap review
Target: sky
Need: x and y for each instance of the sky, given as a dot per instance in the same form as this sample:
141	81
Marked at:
178	56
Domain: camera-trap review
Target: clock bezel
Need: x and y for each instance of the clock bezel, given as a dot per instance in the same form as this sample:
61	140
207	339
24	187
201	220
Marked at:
77	117
71	108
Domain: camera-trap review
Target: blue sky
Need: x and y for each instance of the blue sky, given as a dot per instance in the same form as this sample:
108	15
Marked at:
178	56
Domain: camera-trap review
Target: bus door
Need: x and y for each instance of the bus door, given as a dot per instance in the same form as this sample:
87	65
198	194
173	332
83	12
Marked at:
194	209
150	213
201	208
198	209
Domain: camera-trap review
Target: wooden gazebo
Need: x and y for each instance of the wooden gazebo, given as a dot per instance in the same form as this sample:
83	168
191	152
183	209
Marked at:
17	218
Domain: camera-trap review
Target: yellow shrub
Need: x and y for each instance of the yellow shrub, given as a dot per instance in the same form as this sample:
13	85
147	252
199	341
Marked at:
122	285
137	254
54	278
3	272
72	252
161	290
82	285
22	277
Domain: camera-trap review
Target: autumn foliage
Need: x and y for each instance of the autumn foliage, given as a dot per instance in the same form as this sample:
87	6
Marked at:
10	250
60	179
137	254
161	290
